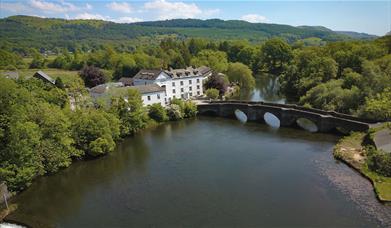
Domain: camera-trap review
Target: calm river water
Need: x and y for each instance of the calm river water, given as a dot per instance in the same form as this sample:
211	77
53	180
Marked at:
207	172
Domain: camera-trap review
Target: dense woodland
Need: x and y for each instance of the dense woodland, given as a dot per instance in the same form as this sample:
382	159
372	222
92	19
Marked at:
39	133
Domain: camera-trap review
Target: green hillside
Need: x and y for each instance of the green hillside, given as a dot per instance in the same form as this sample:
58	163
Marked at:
19	32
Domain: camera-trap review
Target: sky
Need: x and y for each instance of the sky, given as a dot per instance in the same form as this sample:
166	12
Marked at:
373	17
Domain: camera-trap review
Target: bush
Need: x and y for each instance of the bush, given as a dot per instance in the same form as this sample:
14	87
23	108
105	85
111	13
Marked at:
158	113
212	93
379	161
92	76
174	112
95	131
190	109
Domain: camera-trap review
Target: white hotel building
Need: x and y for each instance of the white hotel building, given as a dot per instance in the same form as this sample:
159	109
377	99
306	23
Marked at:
178	83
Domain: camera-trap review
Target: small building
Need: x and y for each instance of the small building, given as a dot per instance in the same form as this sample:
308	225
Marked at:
44	77
178	83
151	94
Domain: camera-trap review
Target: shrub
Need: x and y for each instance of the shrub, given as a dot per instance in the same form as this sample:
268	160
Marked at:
174	112
190	109
379	161
92	76
212	93
158	113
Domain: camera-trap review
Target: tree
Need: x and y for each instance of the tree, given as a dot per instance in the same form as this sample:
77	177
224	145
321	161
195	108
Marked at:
38	60
275	54
130	111
331	96
174	112
240	73
59	83
190	109
212	93
158	112
93	132
379	106
217	60
217	81
92	76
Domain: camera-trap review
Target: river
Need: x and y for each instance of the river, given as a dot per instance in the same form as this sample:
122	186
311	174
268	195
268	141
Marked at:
207	172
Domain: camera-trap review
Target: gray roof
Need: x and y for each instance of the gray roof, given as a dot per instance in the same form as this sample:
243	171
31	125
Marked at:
188	72
147	74
173	73
149	88
126	81
99	89
42	75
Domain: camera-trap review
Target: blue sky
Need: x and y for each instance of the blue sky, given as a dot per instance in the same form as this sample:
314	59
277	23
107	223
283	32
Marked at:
372	17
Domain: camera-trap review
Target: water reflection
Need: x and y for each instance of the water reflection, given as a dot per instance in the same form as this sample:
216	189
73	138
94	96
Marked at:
266	89
241	116
271	120
307	124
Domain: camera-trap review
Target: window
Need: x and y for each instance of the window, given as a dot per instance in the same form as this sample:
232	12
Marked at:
198	87
190	81
182	90
191	94
149	98
158	96
190	88
198	93
181	83
173	97
198	80
173	83
173	91
183	96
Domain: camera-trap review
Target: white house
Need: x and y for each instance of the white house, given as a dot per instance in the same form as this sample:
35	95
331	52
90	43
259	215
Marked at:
178	83
157	86
151	94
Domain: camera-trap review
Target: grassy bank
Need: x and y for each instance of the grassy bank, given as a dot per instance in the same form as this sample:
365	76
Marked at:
350	150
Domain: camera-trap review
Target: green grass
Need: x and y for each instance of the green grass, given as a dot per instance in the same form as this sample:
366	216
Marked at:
381	184
70	78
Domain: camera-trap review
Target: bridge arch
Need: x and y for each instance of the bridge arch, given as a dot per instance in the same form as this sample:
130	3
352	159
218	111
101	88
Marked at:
307	124
287	114
271	120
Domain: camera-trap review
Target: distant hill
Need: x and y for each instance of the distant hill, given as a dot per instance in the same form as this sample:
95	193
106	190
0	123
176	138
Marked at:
357	35
50	33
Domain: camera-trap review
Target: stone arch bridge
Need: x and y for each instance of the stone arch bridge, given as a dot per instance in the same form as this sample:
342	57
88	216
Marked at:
288	114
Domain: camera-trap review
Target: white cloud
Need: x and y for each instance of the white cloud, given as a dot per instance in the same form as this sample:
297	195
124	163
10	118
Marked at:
254	18
126	20
169	10
16	7
60	6
89	16
47	6
122	7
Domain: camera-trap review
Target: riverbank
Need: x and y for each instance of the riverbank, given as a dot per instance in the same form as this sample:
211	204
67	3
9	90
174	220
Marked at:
351	151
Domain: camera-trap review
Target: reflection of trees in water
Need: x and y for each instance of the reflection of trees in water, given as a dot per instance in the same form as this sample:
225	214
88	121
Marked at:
266	89
52	198
55	197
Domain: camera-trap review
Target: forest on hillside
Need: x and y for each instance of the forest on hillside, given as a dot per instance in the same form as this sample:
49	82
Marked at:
48	34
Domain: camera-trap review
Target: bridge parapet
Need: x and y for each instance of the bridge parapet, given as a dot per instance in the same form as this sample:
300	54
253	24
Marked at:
287	114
